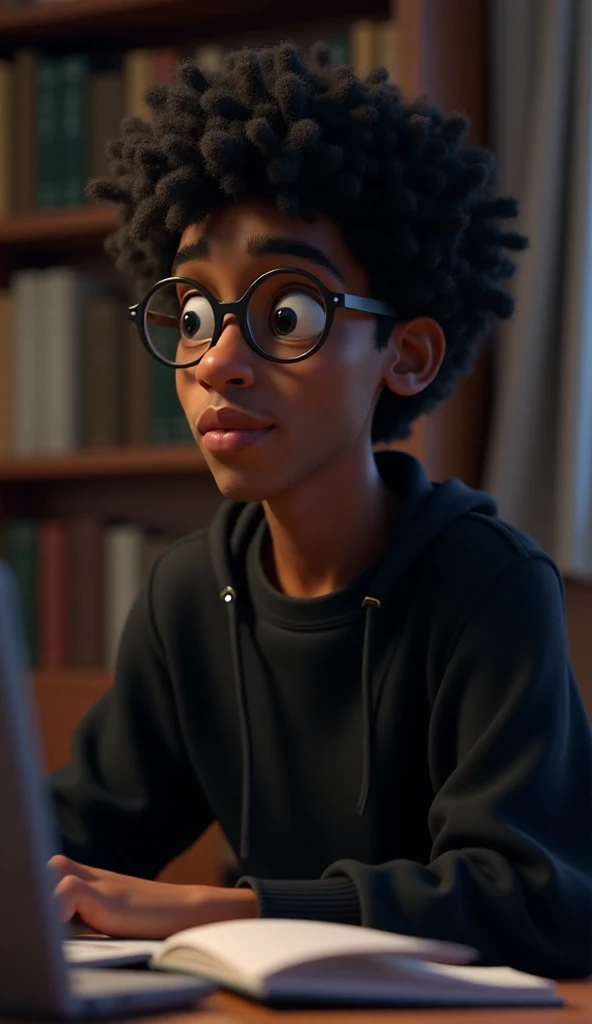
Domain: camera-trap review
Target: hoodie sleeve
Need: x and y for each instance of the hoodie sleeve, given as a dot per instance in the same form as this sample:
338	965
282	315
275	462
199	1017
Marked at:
129	800
510	755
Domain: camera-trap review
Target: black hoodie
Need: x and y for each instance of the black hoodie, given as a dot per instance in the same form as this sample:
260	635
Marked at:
410	752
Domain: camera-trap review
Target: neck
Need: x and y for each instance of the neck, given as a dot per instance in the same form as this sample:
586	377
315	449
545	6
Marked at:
329	528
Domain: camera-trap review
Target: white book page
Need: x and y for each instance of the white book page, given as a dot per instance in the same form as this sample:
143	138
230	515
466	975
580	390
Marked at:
88	951
404	981
254	949
500	977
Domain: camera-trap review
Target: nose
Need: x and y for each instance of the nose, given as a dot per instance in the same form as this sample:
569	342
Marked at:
230	362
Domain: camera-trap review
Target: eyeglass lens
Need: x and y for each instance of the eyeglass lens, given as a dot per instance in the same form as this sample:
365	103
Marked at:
286	316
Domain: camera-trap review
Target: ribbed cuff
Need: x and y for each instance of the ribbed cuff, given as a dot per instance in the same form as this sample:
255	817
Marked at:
323	899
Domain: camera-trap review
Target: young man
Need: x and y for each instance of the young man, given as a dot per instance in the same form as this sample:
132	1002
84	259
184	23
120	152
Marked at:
362	675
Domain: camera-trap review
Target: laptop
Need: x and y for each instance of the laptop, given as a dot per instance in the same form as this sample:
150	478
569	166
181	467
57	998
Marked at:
35	978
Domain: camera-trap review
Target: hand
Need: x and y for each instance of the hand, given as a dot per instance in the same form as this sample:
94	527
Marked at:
128	907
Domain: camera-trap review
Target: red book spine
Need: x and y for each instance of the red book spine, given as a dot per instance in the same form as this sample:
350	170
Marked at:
163	64
52	608
86	590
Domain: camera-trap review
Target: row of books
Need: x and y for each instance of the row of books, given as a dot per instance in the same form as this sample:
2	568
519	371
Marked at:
74	373
77	579
57	111
28	3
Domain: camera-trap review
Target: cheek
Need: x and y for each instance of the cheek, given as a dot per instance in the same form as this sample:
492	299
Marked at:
187	389
193	399
341	378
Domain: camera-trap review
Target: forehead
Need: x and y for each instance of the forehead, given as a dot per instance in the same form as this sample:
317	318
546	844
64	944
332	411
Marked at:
230	227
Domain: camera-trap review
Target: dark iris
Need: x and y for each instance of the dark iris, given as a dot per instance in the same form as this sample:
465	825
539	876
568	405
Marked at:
284	320
190	323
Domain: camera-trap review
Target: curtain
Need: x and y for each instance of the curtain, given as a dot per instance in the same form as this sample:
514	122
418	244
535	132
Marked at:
539	460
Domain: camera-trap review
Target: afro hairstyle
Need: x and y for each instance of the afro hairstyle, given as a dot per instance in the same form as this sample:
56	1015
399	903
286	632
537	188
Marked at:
412	202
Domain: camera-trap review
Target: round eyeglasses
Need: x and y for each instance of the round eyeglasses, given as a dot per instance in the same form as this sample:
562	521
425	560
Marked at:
285	316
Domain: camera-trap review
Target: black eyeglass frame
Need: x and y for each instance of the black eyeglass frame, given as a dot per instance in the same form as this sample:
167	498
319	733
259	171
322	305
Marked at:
333	301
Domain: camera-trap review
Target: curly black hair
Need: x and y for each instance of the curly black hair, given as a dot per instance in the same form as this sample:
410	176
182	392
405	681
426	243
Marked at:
413	203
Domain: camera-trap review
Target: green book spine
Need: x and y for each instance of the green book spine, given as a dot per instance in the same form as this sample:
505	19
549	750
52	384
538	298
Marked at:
172	410
20	545
183	433
162	394
74	76
340	49
180	431
46	132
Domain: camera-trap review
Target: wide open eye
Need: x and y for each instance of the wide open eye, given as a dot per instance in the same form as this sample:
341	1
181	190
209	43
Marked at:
196	320
297	316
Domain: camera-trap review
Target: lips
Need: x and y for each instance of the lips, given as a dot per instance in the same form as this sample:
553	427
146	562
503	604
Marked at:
226	418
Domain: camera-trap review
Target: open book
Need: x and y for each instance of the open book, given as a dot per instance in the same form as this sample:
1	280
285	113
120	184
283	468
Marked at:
103	951
298	962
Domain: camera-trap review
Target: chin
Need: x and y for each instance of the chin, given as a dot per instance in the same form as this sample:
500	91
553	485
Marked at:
238	486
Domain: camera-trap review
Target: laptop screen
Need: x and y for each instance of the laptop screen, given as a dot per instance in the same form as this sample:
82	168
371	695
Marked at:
32	970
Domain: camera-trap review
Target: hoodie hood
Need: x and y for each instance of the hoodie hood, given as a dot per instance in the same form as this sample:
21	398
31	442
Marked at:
426	509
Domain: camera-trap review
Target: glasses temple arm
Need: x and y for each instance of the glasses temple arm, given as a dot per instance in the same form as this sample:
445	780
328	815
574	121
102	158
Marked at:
366	305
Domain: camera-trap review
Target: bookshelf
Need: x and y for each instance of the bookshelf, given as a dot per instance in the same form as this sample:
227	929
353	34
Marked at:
441	53
141	22
60	230
149	460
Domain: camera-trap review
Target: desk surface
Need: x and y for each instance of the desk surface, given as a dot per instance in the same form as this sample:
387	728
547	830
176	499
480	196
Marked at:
223	1008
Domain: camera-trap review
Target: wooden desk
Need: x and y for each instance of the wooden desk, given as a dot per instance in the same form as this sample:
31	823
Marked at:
222	1008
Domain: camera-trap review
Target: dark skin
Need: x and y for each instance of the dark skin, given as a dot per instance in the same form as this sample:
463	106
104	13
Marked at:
329	514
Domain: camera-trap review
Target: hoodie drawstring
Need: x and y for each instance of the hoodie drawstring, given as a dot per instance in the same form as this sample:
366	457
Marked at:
371	605
228	595
428	509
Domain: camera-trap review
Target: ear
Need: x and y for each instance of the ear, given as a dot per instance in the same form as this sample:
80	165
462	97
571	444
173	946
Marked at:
413	355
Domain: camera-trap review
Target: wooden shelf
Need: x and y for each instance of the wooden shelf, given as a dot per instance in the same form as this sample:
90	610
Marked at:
60	227
98	679
152	460
123	23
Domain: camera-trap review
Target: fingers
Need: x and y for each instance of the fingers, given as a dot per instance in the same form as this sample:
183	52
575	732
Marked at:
63	866
76	896
102	909
79	929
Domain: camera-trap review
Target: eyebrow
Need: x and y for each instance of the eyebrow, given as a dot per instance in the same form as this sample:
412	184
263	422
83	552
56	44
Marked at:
199	250
265	245
262	245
